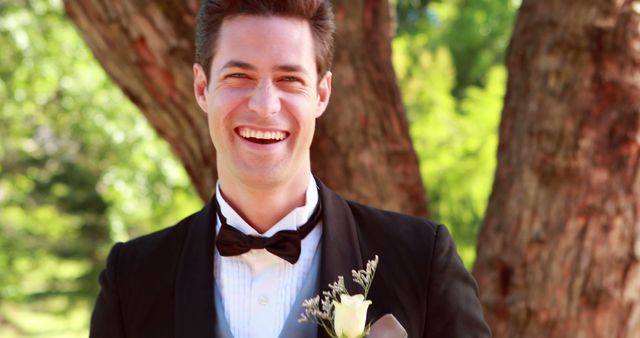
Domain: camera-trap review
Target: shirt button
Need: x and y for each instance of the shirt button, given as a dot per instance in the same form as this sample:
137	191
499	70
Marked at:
263	300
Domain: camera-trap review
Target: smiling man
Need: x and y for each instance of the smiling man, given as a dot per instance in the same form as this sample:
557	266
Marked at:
272	235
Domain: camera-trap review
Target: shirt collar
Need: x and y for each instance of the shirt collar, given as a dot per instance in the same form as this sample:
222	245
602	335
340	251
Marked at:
291	221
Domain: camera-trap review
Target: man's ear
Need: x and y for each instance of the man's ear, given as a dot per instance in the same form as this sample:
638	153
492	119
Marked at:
324	92
200	86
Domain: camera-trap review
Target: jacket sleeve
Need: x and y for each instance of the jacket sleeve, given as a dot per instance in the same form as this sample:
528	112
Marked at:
106	320
453	306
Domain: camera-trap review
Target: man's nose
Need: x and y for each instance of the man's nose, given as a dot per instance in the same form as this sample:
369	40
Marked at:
265	99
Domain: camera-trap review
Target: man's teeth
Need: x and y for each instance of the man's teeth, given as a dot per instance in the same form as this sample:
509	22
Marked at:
263	135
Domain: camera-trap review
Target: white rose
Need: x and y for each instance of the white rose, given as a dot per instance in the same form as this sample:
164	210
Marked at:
350	315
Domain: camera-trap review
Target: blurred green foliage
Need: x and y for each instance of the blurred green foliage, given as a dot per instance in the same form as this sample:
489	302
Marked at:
80	168
450	67
476	33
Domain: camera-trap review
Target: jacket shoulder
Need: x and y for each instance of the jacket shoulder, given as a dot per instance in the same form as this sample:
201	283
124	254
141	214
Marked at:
404	244
419	265
151	258
158	241
394	227
138	281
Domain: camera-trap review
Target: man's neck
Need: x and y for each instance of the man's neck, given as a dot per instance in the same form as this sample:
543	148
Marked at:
263	206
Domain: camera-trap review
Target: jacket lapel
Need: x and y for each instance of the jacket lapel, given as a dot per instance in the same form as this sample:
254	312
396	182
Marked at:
340	246
194	302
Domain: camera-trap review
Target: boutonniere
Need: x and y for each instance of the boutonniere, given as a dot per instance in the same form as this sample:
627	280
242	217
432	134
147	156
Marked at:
340	314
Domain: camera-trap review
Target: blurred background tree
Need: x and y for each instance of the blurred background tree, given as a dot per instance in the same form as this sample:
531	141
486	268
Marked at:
81	168
559	249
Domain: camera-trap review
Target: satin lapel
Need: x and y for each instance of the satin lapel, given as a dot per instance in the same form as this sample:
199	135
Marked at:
340	246
194	311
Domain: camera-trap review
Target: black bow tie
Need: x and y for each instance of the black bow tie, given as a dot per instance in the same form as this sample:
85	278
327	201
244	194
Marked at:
284	244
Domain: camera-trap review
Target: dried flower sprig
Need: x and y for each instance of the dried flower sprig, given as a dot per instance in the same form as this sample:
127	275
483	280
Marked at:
322	311
365	277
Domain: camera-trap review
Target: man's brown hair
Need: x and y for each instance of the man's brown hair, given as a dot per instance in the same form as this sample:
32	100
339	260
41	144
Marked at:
318	13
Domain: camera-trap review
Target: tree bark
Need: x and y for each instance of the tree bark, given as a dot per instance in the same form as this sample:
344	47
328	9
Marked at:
559	248
362	147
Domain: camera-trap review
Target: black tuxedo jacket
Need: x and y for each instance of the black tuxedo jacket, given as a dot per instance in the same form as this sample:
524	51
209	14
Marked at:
161	285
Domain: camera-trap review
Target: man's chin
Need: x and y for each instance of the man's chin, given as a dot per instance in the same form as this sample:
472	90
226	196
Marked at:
268	172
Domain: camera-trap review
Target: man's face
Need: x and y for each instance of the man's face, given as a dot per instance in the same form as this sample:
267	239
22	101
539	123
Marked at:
263	98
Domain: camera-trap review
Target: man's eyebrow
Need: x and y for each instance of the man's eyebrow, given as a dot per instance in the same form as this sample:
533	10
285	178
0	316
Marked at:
283	68
237	64
291	68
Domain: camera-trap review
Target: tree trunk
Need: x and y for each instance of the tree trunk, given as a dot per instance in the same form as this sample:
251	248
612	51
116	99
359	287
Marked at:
558	251
362	147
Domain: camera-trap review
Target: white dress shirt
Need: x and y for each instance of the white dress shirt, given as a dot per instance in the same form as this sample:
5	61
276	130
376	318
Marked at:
257	288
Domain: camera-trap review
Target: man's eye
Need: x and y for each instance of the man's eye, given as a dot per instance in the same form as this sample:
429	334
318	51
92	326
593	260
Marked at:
238	76
291	79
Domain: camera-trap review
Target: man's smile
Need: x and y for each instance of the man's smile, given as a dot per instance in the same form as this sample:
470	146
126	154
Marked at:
261	136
